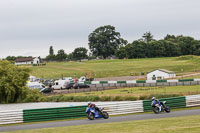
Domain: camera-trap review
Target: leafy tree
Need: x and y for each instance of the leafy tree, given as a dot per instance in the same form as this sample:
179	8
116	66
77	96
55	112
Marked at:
137	49
171	49
11	58
80	53
70	56
104	41
51	51
197	48
171	38
121	53
12	82
187	44
51	56
61	55
148	37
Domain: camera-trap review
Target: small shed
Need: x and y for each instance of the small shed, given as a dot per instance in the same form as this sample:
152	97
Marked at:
160	74
28	60
36	60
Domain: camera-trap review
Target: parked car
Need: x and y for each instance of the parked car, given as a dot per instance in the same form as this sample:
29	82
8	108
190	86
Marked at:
48	82
70	85
80	85
47	90
35	85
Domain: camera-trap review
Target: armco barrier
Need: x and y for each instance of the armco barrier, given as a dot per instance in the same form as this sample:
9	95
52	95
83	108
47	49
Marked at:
11	116
175	102
193	100
125	107
46	114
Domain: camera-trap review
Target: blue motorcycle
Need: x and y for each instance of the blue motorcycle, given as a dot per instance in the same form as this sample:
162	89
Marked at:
92	113
160	107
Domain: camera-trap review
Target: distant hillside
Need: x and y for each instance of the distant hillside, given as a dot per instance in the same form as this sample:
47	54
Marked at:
115	68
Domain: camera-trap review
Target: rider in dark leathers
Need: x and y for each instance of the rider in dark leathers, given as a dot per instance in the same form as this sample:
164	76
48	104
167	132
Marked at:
92	105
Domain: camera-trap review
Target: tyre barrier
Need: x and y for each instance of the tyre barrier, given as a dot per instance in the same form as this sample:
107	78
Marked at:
113	108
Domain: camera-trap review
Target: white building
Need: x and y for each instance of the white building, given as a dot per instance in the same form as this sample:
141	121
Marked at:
160	74
29	60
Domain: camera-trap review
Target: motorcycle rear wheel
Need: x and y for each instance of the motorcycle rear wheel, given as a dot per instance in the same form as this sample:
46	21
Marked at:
167	109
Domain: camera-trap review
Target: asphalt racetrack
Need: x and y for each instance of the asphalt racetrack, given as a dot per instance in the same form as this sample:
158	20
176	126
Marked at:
111	119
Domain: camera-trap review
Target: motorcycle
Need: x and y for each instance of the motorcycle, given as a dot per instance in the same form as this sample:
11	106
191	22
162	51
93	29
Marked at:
163	106
92	113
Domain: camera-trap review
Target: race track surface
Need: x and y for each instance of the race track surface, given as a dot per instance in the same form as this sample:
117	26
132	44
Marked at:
111	119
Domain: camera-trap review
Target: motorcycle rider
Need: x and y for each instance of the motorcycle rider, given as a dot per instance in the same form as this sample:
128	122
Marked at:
156	101
92	105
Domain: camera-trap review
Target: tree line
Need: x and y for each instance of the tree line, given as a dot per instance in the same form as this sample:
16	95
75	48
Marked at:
77	54
105	42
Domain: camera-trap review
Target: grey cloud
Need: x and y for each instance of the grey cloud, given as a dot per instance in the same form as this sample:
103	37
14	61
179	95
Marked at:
34	25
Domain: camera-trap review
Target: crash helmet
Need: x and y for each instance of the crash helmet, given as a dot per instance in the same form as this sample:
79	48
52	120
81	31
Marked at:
153	98
89	103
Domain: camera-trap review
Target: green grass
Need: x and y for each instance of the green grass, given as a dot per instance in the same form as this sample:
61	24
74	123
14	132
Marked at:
138	91
113	68
188	124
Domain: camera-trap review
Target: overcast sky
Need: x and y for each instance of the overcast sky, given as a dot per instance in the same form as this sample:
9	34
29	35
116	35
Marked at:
30	27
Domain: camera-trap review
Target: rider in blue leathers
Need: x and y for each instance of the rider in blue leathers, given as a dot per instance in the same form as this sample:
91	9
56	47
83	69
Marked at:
156	101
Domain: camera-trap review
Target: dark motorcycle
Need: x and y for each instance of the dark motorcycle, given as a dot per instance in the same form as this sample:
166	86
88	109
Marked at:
163	106
92	113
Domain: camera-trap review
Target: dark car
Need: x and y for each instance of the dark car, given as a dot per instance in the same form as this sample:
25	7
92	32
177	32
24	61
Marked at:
70	85
80	85
47	90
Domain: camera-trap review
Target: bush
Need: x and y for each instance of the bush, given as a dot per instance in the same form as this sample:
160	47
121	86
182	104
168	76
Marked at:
33	95
105	98
159	96
130	98
144	97
118	98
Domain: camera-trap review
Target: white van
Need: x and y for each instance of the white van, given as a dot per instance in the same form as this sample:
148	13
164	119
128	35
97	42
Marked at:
35	85
62	84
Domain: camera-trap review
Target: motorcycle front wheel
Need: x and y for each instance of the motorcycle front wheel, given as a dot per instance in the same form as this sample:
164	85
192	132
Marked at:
156	110
105	115
90	116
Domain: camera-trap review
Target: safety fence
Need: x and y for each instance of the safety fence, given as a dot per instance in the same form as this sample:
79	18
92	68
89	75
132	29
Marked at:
125	107
140	81
11	116
113	108
47	114
193	100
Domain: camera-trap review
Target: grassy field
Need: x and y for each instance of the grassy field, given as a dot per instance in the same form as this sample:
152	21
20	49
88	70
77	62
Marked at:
115	68
139	91
188	124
